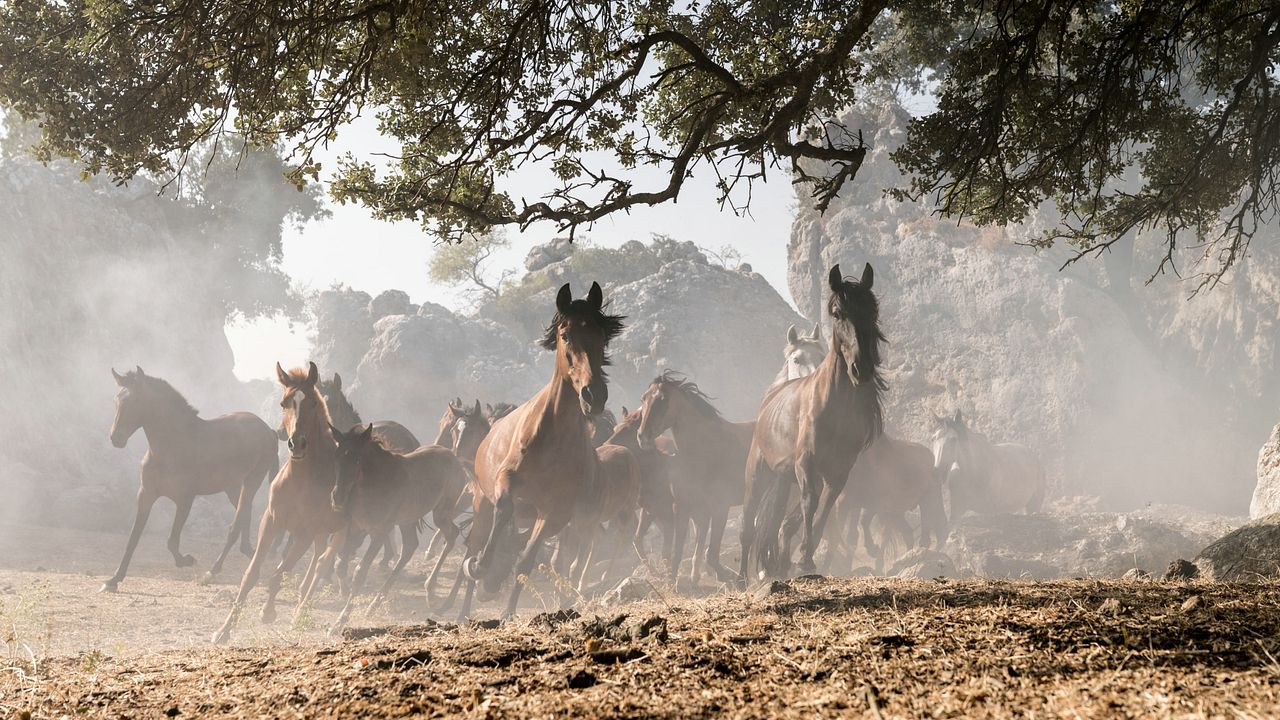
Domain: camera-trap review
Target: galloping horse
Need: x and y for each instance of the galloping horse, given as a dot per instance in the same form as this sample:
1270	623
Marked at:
982	476
810	431
187	456
656	501
541	455
707	467
394	435
300	499
380	489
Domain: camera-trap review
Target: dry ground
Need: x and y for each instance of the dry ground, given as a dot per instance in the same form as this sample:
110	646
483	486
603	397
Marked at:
811	647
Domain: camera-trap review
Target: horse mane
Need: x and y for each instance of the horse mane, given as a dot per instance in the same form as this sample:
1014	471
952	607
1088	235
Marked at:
700	399
500	410
338	399
861	308
298	378
610	324
163	390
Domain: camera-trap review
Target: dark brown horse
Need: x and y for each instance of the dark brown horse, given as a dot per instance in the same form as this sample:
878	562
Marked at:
656	501
300	501
810	431
706	470
380	489
187	456
541	455
612	497
394	435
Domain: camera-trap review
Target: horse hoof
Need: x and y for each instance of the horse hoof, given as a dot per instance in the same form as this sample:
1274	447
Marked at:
110	586
185	561
208	577
268	615
222	637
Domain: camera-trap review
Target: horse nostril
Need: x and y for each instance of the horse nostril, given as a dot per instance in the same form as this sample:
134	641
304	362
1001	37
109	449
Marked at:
587	395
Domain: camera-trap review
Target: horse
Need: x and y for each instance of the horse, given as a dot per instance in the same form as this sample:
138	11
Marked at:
983	476
380	489
810	430
188	455
890	478
462	428
394	435
497	411
612	496
300	499
707	467
656	501
801	355
541	454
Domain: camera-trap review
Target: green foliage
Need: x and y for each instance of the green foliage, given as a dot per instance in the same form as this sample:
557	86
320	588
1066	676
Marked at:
467	263
1125	115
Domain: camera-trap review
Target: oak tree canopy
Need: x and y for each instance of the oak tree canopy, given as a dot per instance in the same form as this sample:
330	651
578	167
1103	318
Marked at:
1122	114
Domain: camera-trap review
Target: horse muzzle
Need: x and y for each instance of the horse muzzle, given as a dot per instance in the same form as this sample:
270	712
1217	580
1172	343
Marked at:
297	447
593	398
118	442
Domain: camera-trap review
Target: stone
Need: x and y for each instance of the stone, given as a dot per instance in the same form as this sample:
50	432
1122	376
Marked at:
1266	493
921	563
1181	570
1249	553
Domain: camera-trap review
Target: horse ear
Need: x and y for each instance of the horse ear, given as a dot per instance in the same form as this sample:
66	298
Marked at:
138	369
367	435
337	434
476	410
488	409
958	419
337	381
595	296
625	414
792	335
868	277
282	376
313	374
817	331
119	378
835	279
564	298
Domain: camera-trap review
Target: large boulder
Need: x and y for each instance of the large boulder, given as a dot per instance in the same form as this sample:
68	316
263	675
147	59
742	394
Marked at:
1250	553
1266	494
1062	545
1126	391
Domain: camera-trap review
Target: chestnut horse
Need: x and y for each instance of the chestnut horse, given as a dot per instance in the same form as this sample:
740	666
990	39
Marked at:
300	499
706	470
656	501
380	489
187	456
394	435
541	455
811	430
983	476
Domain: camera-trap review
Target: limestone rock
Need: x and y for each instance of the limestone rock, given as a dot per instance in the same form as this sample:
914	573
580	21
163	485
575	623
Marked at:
1249	553
1266	494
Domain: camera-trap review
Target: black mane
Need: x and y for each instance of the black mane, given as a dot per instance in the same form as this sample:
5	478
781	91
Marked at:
581	309
681	382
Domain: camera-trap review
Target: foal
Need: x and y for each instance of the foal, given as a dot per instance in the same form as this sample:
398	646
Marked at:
379	489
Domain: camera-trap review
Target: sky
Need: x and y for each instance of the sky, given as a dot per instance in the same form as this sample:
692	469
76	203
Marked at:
352	248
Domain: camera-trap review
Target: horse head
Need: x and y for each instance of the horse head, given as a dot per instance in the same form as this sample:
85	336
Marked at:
948	436
579	333
626	432
303	411
802	354
351	446
469	431
131	407
855	324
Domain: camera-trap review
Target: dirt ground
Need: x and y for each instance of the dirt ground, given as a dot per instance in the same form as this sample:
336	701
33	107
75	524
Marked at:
809	647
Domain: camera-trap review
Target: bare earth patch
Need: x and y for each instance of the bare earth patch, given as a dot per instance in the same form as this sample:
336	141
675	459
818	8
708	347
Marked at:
818	646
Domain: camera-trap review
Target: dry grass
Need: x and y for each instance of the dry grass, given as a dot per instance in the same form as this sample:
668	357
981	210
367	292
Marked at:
874	648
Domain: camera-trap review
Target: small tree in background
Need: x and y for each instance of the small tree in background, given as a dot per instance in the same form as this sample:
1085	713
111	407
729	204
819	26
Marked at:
467	263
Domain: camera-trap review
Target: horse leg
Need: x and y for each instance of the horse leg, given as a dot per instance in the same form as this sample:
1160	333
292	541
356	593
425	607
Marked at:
354	588
477	568
238	529
175	534
875	551
249	491
146	499
542	528
446	529
408	546
750	509
481	528
701	526
830	493
292	554
775	560
718	520
679	530
267	533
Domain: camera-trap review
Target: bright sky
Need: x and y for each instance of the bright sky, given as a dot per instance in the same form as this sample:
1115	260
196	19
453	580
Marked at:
354	249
